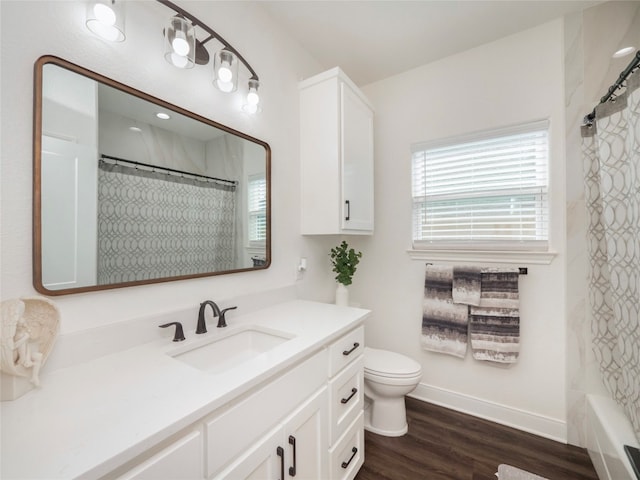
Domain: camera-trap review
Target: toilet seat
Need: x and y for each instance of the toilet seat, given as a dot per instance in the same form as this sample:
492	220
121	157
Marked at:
386	364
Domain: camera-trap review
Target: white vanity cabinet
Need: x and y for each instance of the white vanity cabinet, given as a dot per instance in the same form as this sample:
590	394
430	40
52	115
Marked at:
296	408
336	156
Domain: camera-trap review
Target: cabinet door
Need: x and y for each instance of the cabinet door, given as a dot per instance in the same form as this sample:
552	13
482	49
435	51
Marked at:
357	162
263	461
307	440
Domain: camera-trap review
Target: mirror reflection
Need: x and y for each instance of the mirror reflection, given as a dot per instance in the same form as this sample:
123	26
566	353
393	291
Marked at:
129	189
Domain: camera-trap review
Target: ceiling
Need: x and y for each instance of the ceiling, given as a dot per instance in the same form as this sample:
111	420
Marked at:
372	40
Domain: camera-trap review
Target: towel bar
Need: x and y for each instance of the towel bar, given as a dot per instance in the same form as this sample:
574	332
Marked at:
521	270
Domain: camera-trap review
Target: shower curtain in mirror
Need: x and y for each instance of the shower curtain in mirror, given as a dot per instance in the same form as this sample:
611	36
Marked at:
611	155
154	225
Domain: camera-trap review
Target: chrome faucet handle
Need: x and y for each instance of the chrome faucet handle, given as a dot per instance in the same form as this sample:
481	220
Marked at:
222	322
179	333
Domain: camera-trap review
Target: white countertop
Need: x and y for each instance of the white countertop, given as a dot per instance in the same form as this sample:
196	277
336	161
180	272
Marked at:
89	419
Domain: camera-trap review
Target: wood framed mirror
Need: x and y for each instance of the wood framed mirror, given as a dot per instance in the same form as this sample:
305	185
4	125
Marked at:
123	195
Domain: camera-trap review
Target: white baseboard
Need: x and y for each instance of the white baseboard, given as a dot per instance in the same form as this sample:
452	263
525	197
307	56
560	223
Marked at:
540	425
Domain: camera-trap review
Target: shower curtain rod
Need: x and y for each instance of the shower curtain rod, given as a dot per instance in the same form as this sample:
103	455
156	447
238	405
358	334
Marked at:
635	63
168	170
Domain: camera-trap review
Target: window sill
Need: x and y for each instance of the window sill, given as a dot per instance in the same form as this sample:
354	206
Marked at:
484	256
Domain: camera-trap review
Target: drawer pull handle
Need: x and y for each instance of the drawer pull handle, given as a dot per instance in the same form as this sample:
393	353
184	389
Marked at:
354	450
292	470
353	392
280	452
348	352
348	205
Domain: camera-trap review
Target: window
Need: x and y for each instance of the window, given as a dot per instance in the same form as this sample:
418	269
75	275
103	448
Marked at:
257	201
486	191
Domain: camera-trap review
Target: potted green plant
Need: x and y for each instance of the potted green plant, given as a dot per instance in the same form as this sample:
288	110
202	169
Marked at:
344	261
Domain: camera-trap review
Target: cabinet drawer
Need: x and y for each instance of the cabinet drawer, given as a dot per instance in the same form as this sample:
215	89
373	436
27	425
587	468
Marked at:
232	432
345	350
347	456
346	398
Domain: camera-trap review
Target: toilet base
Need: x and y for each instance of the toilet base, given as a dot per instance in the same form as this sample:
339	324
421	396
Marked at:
390	429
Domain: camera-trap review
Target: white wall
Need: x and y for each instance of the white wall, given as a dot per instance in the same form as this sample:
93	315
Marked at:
514	80
57	28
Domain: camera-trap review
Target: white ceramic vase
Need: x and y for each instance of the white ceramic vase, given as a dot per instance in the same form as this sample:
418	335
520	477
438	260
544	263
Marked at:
342	295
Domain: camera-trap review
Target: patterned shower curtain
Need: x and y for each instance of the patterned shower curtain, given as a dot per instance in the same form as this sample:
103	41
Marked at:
611	154
153	225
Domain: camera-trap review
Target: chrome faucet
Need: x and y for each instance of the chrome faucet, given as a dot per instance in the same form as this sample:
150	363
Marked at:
202	325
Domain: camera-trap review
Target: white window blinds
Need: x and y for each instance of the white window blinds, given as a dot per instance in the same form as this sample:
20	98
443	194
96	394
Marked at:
488	190
257	223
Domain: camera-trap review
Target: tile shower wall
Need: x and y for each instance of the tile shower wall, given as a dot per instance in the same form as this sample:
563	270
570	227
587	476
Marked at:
590	38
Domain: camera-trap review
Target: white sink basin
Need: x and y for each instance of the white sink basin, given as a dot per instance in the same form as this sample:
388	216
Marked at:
217	354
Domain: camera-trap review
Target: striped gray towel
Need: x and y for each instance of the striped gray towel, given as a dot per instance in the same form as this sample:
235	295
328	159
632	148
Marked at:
494	325
444	323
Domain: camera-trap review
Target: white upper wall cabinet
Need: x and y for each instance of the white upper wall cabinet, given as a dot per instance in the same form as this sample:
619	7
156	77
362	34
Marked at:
336	155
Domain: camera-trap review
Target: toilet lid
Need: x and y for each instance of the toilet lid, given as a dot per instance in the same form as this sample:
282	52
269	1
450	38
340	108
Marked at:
385	363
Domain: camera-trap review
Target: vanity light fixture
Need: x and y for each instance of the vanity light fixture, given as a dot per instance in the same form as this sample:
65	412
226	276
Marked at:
105	18
180	42
225	61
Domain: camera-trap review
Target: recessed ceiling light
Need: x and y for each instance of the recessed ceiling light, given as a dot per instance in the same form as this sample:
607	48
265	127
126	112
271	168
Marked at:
135	129
623	52
163	116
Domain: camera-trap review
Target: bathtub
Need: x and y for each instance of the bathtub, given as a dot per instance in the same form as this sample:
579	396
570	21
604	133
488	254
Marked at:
608	430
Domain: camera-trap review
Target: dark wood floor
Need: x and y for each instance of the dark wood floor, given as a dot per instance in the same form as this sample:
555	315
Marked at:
446	445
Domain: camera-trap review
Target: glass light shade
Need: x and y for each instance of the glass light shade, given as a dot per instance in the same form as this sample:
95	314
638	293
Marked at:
105	18
225	71
252	97
180	43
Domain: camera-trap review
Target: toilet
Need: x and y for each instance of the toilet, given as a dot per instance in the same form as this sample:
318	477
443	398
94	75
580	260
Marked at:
388	377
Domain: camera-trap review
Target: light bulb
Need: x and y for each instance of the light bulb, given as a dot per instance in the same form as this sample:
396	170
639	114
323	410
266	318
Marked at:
104	14
180	44
253	98
224	72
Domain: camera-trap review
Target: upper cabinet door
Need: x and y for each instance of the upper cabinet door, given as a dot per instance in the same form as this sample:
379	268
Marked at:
357	162
336	156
